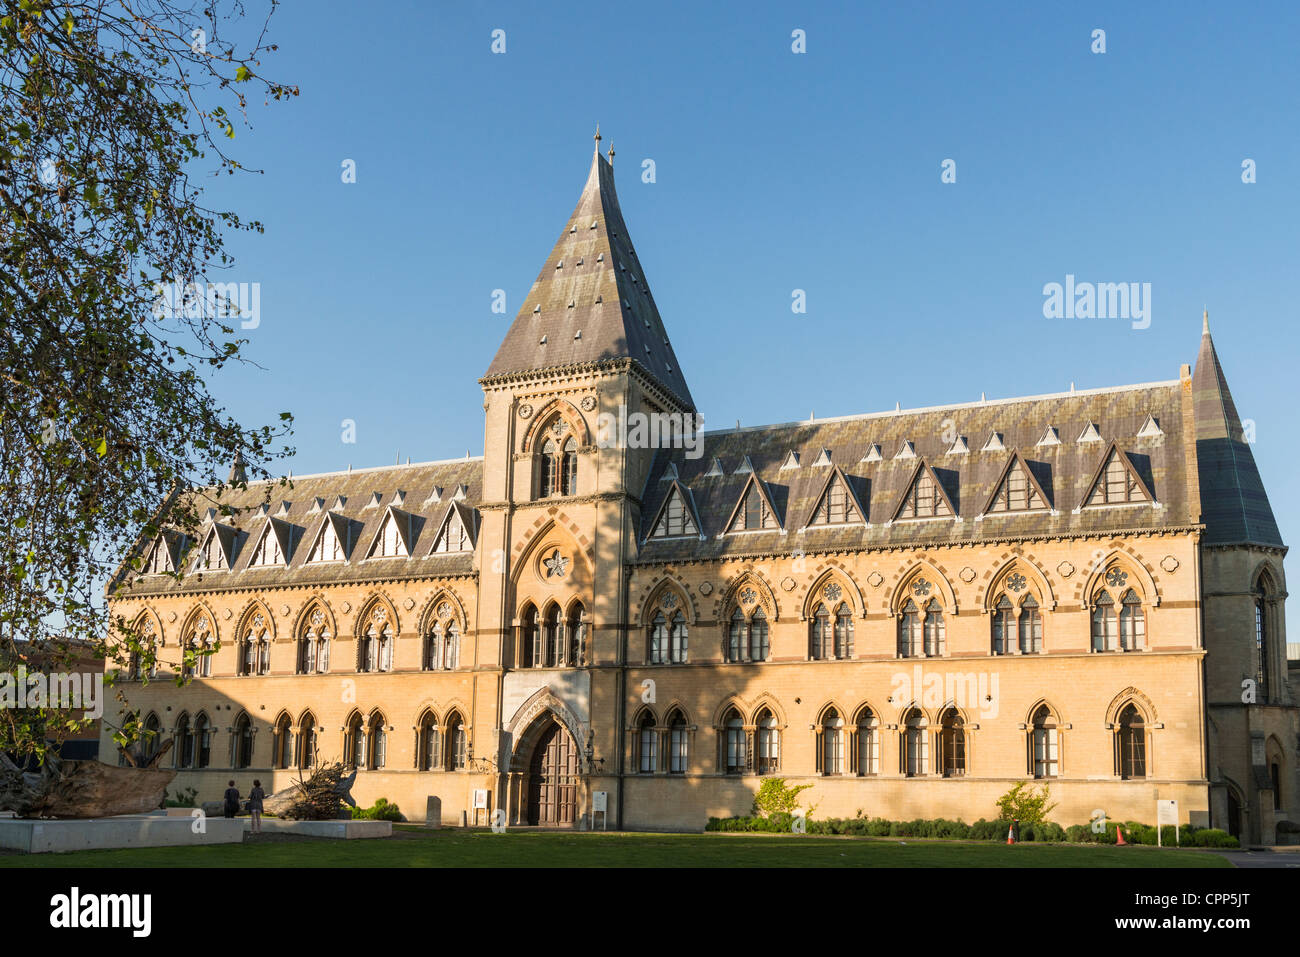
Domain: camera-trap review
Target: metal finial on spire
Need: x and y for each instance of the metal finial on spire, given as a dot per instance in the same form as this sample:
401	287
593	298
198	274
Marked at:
1205	321
611	152
597	137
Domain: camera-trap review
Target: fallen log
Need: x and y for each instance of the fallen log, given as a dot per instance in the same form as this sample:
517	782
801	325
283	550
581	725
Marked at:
80	789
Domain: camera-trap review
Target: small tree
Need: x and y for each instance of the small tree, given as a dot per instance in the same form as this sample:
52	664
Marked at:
1024	804
774	797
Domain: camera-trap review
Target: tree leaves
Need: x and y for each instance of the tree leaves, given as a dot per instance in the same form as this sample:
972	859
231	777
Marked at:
105	413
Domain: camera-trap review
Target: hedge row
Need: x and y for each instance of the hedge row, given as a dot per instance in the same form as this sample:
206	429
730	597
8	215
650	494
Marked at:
981	830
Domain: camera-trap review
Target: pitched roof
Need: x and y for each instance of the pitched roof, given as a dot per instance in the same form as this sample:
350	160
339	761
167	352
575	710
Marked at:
1064	472
1234	505
347	493
591	302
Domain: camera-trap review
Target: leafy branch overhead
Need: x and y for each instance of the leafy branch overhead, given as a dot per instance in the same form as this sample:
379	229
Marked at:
110	110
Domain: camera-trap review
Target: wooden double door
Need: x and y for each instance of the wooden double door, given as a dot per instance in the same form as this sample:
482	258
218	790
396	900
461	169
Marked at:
553	779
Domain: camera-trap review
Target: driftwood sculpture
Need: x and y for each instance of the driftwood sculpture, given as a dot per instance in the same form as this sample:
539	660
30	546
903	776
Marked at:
318	798
80	789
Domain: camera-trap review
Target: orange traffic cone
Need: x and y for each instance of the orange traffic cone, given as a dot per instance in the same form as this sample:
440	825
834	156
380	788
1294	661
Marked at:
1119	837
1011	832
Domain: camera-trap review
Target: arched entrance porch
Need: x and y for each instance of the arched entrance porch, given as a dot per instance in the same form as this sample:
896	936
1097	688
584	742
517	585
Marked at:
545	776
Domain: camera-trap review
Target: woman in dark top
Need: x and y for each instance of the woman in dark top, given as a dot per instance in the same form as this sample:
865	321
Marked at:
255	797
231	807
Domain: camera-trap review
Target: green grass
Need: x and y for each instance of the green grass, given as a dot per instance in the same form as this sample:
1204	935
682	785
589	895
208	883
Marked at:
415	847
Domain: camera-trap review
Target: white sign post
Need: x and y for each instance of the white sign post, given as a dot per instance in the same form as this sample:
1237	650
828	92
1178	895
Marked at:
600	805
481	804
1167	813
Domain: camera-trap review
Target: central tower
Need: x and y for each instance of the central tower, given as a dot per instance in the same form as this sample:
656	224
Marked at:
562	502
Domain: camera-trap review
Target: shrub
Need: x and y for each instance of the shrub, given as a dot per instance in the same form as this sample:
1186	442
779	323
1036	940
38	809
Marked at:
775	798
382	811
1214	837
1024	804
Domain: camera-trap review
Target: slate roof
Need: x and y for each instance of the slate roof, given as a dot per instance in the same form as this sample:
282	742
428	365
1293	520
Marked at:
591	302
1236	508
314	500
1064	470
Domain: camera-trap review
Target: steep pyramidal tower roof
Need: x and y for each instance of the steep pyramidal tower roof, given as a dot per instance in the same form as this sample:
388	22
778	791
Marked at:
590	302
1234	505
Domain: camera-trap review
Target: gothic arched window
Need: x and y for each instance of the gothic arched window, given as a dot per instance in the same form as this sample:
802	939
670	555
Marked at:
910	644
1132	744
868	743
916	744
429	746
769	743
647	746
952	744
832	743
1044	745
243	742
314	644
677	743
735	751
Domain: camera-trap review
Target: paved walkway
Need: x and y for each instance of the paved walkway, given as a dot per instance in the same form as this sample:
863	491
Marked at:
1265	857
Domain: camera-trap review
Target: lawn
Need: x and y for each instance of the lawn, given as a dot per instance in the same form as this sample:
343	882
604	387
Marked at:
416	847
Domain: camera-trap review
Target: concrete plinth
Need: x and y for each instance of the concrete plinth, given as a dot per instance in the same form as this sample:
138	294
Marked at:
343	830
45	837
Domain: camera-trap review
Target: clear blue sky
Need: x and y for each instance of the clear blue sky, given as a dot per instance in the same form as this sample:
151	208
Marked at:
775	171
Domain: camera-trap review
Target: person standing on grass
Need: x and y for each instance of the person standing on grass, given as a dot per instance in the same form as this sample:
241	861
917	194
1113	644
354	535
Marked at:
255	797
231	807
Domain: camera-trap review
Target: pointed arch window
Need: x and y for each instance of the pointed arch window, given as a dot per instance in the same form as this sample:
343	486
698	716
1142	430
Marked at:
1263	641
678	640
935	630
1132	622
868	741
747	638
553	637
314	644
910	643
377	742
647	746
1131	744
575	630
442	646
735	749
152	738
375	647
184	742
1104	630
354	743
255	646
820	647
758	640
202	741
243	742
457	743
924	499
916	744
569	467
1118	617
1031	627
429	745
677	743
952	744
769	743
831	745
282	743
1045	745
557	461
659	639
1004	625
306	743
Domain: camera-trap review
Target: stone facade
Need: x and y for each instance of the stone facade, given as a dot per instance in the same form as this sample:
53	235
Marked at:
648	622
